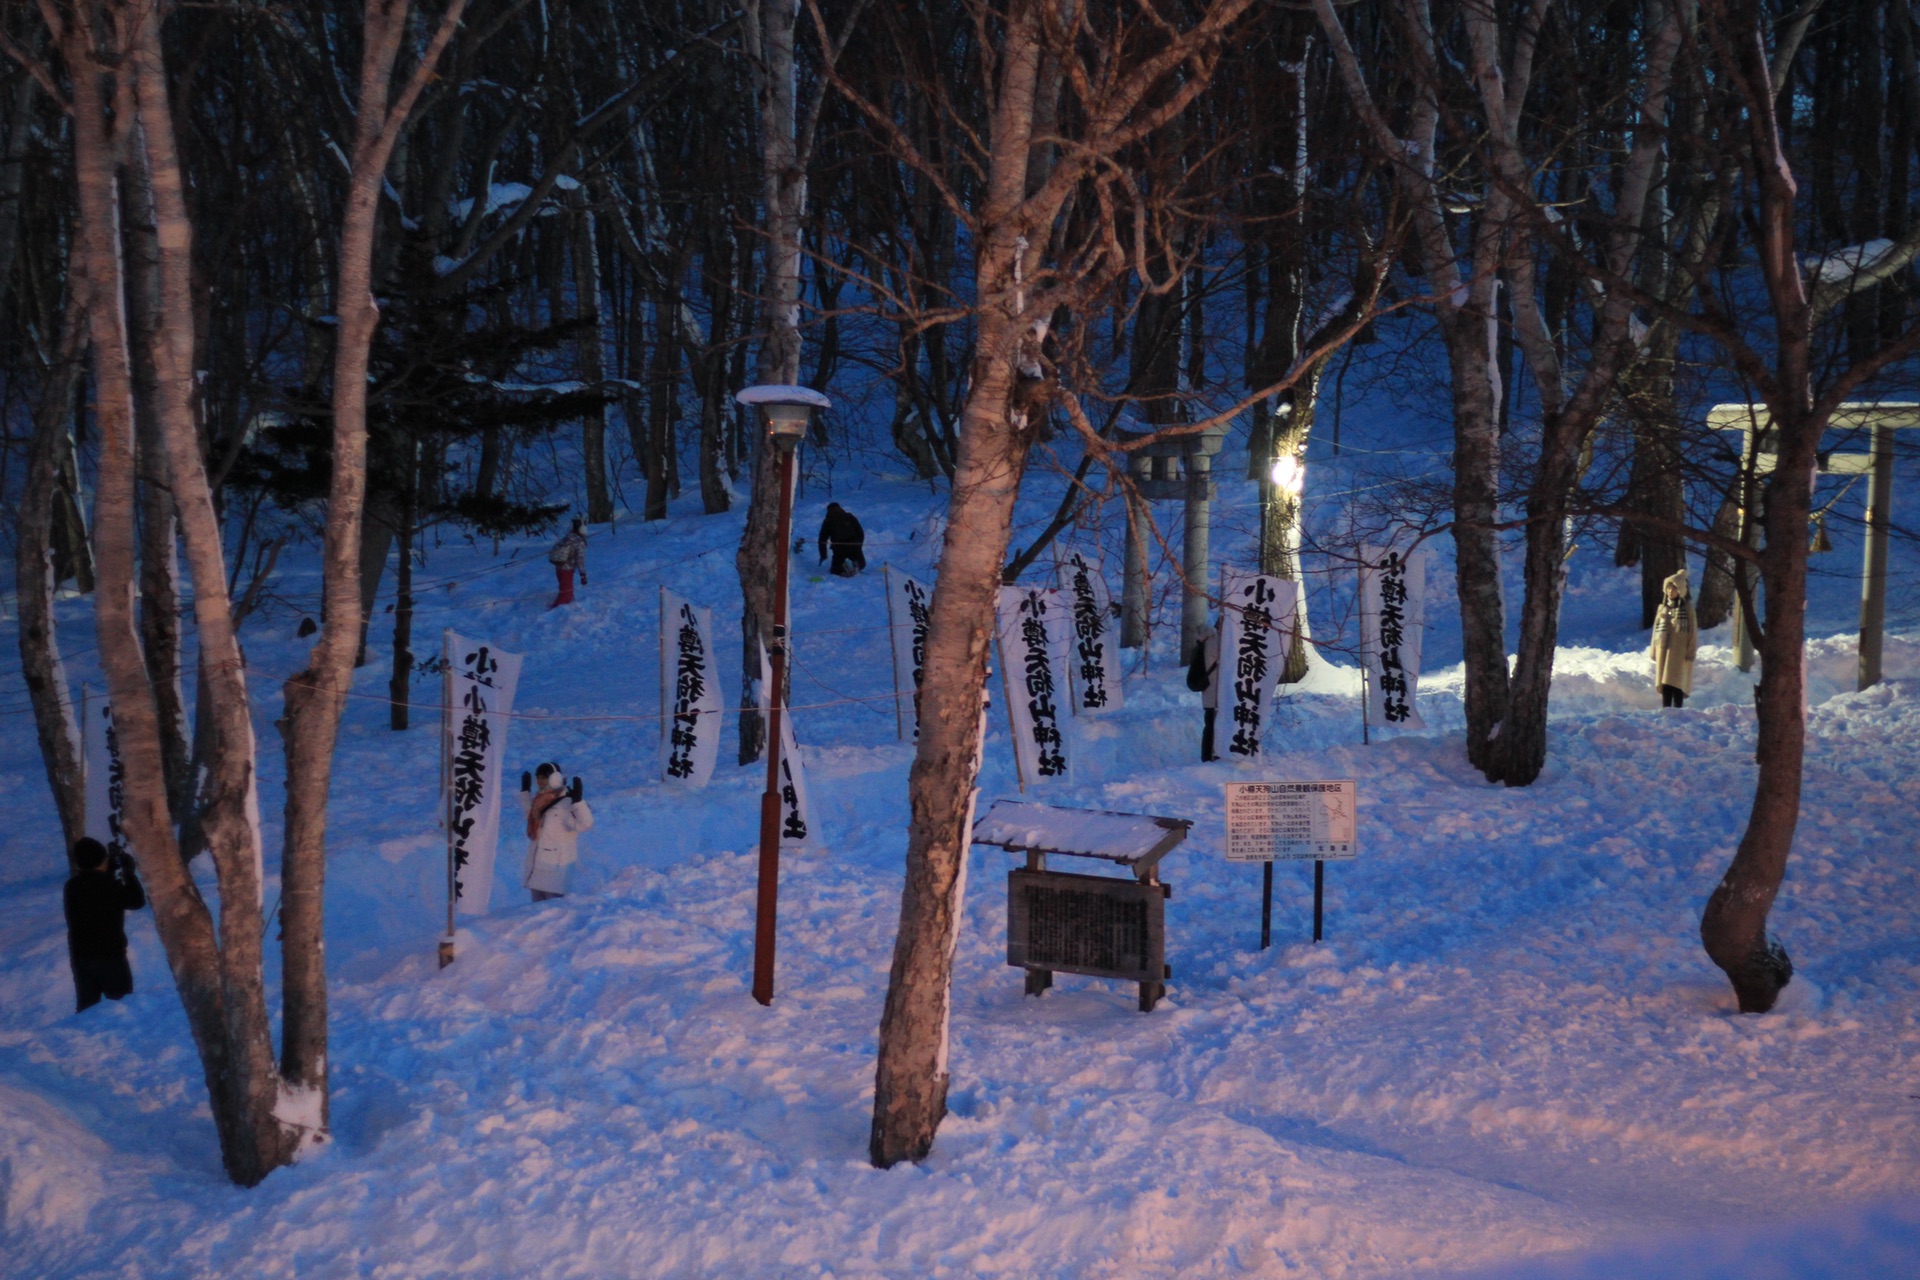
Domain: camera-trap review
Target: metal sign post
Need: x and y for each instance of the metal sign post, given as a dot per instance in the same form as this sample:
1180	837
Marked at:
1319	888
1295	821
1266	906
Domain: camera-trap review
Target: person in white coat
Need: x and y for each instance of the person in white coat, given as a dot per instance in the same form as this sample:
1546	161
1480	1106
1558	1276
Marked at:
1676	639
556	815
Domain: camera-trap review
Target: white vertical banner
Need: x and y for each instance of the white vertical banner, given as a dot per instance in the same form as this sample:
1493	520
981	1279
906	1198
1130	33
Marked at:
106	779
1033	644
693	694
1095	657
797	829
482	680
1393	615
908	600
1256	618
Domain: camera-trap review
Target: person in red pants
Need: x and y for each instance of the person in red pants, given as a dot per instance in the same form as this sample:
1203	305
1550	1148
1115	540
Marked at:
569	556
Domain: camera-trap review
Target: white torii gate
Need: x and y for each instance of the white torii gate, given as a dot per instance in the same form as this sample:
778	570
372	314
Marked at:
1882	418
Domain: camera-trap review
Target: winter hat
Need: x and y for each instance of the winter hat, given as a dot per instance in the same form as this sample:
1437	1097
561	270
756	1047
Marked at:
1677	579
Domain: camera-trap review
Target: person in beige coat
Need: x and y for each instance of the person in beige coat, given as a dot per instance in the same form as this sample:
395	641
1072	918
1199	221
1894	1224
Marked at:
1675	638
556	815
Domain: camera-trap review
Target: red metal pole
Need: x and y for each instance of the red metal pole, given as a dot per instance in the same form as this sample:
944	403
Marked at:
764	916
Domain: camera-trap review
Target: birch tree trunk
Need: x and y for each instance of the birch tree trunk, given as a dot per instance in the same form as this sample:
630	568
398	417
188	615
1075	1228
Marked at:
910	1078
708	361
315	697
159	527
229	812
40	665
1733	927
1568	418
783	176
1030	180
1282	346
1463	308
1476	511
662	404
216	968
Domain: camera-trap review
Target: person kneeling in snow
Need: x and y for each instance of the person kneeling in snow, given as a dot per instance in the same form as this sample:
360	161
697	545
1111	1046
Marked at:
1676	637
841	533
556	815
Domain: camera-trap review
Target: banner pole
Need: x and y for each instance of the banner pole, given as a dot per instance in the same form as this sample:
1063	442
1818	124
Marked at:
86	708
663	665
1361	610
893	654
446	790
1006	696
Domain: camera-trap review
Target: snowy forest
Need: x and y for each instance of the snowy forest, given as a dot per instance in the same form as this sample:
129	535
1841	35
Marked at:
574	561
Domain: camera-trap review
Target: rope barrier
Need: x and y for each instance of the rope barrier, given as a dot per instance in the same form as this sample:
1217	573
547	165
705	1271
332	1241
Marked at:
599	718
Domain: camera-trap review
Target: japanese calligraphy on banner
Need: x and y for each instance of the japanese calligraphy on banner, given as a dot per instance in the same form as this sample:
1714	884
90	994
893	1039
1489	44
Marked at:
797	830
1282	820
106	778
1095	663
908	600
1256	624
1034	630
482	680
1393	612
693	694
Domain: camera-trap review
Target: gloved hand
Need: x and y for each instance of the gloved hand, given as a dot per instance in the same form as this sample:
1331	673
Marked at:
577	791
526	780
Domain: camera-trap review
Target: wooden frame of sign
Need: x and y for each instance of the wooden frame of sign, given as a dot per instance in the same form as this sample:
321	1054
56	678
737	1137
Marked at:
1101	926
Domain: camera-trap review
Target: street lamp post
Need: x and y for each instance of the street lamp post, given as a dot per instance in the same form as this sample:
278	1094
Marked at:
786	412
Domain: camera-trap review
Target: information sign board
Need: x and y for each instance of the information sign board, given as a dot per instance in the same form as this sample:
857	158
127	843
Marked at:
1289	820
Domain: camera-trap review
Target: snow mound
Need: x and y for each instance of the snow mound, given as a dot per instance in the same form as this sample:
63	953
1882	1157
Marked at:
52	1170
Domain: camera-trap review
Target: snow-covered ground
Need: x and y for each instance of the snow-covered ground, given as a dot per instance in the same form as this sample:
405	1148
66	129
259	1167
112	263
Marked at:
1509	1057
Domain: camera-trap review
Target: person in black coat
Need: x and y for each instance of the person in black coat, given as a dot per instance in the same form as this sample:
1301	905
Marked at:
100	892
1203	677
841	532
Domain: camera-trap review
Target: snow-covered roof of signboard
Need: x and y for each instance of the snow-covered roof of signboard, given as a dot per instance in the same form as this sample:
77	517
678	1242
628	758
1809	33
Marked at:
1091	833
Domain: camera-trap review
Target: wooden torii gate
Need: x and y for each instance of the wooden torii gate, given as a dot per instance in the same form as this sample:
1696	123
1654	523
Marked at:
1758	454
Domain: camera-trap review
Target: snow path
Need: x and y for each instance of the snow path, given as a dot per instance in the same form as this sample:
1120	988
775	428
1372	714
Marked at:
1509	1046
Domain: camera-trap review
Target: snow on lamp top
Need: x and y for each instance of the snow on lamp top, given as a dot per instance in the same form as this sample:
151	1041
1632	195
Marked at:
786	409
777	393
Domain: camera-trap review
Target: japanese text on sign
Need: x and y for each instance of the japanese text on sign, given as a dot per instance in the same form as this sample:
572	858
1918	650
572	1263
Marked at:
1282	820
